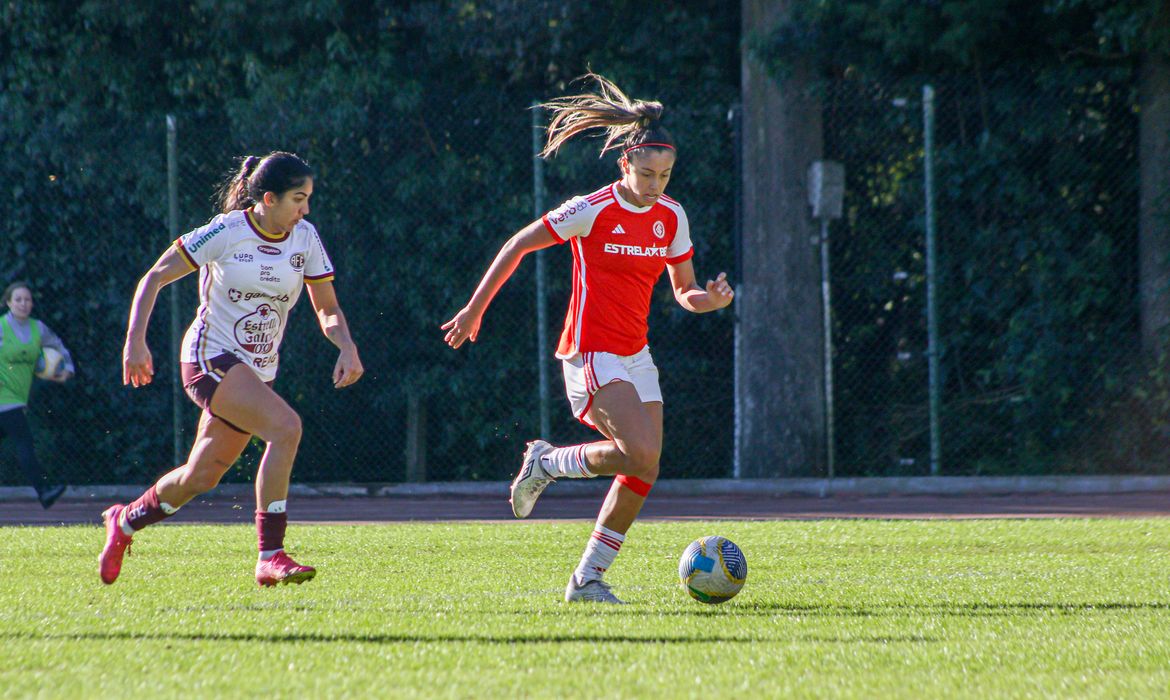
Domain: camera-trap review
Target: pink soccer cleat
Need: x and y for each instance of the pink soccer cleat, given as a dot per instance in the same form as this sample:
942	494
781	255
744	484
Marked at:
117	545
282	569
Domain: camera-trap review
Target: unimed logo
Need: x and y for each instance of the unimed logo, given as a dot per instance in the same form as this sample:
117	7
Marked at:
198	243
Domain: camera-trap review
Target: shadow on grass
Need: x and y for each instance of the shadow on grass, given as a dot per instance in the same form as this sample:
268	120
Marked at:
286	638
880	610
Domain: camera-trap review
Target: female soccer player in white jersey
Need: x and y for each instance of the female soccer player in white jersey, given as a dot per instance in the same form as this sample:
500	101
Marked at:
253	260
622	237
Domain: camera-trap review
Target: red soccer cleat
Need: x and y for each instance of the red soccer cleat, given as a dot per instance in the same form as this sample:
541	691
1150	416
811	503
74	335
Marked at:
282	569
117	545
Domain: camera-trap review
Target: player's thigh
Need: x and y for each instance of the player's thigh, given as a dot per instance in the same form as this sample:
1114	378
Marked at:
620	414
248	403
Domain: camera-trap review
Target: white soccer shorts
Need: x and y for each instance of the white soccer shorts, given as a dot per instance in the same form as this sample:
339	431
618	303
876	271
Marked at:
587	372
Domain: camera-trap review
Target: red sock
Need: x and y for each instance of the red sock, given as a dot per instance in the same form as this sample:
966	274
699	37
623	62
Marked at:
270	530
146	510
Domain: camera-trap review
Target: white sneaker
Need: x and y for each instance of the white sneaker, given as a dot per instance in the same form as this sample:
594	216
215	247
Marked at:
595	591
531	481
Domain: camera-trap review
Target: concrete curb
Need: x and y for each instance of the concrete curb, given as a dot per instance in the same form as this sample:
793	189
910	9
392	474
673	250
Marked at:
777	488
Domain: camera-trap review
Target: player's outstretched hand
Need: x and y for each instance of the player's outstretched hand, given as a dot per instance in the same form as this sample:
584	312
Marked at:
137	364
719	291
465	326
348	368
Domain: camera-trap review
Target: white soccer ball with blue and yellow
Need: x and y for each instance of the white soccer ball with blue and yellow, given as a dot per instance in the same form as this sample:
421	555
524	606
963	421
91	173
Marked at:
712	569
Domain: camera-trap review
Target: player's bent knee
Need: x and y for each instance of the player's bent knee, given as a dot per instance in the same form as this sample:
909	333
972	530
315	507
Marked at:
286	430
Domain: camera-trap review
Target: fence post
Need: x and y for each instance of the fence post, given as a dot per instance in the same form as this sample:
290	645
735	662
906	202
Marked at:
416	438
176	328
735	118
826	194
538	207
932	345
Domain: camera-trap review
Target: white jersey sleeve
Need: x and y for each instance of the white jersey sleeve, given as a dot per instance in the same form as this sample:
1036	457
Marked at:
572	219
318	266
681	245
204	244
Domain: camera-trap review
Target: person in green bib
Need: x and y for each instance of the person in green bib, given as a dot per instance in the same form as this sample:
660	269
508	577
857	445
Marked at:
22	338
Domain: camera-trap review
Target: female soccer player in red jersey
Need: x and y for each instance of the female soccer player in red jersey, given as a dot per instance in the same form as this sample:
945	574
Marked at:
253	260
622	237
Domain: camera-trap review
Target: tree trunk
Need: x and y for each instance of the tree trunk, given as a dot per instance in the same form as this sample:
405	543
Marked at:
1154	222
780	422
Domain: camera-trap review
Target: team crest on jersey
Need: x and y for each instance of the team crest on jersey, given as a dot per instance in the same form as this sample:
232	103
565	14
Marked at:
297	260
659	229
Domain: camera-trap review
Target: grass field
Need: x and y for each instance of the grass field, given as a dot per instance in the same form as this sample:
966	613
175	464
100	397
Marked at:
1014	608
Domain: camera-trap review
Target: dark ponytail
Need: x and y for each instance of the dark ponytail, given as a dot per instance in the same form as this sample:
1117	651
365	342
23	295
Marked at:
628	123
278	172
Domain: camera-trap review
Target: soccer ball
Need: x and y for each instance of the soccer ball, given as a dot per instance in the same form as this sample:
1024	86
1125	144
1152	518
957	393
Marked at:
712	569
49	364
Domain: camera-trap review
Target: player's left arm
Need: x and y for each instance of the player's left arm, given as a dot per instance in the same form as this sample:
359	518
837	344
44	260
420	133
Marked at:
349	366
691	296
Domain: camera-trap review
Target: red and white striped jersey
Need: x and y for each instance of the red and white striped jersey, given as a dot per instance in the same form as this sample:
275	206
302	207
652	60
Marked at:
619	252
249	280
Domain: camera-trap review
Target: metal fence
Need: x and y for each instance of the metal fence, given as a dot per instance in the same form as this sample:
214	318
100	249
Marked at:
1036	259
412	212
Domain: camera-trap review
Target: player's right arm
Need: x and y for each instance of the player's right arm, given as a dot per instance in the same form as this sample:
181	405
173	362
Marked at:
137	364
465	324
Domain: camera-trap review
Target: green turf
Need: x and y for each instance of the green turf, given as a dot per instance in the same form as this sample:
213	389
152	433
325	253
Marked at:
836	608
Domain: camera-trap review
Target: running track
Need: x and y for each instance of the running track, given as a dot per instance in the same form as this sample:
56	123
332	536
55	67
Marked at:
359	509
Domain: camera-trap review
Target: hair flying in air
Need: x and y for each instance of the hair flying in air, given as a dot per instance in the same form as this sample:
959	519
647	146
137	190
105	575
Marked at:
628	123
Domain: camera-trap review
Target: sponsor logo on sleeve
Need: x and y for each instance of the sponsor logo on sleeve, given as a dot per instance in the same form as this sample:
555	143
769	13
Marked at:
268	250
198	243
562	213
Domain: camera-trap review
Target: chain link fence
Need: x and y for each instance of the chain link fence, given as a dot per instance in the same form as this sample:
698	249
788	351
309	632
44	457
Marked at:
1036	201
412	205
1036	205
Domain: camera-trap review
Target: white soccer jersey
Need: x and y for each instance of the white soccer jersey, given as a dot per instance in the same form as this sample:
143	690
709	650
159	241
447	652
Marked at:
249	279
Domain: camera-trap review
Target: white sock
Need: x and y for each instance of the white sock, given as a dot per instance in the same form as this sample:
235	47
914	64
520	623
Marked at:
267	554
566	462
599	554
124	525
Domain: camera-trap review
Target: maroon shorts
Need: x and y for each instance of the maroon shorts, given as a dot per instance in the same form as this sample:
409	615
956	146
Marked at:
201	386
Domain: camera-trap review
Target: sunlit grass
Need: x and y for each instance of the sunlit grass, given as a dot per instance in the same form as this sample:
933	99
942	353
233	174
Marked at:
837	608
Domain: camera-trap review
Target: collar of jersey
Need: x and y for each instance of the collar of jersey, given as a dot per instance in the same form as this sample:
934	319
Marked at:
626	205
273	237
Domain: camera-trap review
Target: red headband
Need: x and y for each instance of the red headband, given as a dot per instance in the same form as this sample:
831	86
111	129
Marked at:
647	145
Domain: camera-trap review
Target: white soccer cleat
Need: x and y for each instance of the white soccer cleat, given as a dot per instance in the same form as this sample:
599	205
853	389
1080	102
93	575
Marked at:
595	591
531	481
